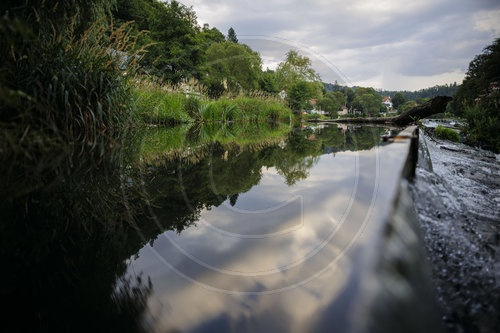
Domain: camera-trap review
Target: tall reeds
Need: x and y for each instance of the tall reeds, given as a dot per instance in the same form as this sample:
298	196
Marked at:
62	87
159	103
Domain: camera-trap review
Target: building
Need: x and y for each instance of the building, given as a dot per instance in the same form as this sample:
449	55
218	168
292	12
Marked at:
314	104
387	101
343	111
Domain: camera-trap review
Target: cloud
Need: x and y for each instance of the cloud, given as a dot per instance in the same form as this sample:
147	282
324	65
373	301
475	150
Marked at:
399	44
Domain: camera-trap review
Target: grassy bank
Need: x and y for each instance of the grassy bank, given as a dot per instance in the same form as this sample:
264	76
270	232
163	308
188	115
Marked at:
153	103
191	141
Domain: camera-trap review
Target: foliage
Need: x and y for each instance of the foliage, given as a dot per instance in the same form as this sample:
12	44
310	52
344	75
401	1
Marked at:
154	106
421	100
437	90
45	16
447	134
482	72
176	50
68	89
155	103
406	106
233	65
367	100
478	98
312	116
398	99
349	94
231	36
268	83
483	120
300	93
295	68
332	101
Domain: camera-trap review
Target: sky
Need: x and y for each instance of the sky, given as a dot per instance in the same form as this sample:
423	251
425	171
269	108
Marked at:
385	44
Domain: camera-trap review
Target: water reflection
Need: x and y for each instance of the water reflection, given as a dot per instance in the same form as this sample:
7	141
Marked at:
244	209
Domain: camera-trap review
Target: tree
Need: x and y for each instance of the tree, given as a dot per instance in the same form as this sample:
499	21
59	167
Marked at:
332	101
300	93
58	15
231	36
208	36
294	69
176	52
483	70
398	99
349	94
406	106
421	100
368	100
478	98
234	64
268	83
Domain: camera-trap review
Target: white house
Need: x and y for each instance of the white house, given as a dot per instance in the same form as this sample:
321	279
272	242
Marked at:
343	111
387	101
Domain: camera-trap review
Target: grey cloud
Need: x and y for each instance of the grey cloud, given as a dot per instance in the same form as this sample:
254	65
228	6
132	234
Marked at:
424	38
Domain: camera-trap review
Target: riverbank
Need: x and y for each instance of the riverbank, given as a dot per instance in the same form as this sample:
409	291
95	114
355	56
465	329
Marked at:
153	103
457	198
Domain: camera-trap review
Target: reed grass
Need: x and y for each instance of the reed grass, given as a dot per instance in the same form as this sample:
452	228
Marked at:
157	103
63	88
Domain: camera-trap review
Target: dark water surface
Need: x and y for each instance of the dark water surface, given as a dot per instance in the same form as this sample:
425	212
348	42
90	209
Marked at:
212	228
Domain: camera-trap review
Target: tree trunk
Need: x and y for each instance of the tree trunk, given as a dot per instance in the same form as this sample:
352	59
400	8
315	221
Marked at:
435	105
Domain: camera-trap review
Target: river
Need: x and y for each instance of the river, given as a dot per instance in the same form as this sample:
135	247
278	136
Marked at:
215	227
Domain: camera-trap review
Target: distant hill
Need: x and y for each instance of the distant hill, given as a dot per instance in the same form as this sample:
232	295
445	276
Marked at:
438	90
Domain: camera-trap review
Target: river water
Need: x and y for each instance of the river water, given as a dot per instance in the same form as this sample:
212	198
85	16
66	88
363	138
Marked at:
213	228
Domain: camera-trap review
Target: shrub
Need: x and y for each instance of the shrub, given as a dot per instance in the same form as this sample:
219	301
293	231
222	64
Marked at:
447	134
483	126
312	116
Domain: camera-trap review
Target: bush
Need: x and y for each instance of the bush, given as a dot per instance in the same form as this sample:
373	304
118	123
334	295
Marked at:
312	116
483	126
447	134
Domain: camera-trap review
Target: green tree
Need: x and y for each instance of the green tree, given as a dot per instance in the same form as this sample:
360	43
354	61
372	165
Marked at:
398	99
368	100
57	14
421	100
208	36
300	93
237	65
176	53
268	83
482	71
349	94
231	36
332	101
478	98
406	106
295	68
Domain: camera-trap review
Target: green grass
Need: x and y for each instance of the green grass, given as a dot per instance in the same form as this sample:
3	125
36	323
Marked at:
160	143
154	103
447	134
61	89
154	106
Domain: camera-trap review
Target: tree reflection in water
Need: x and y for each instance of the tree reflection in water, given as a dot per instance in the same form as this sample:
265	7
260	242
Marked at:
72	217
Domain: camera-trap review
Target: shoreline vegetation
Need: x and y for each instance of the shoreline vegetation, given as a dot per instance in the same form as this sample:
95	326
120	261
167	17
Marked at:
156	103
